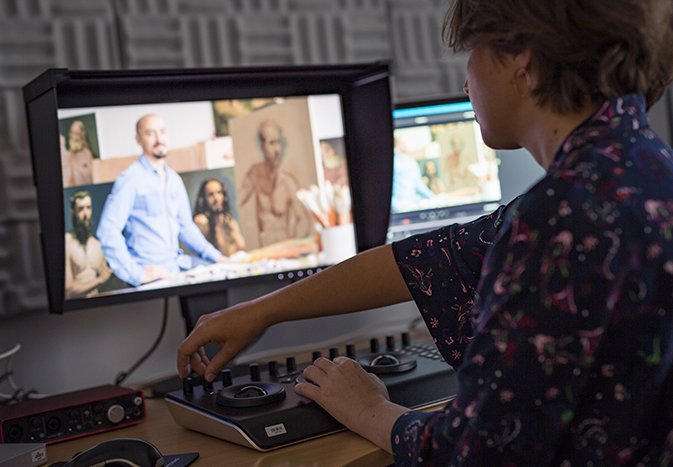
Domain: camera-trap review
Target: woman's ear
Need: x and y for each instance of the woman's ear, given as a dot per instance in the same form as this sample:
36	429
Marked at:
523	59
522	81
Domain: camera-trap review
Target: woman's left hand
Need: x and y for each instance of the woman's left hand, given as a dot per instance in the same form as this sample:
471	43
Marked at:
357	399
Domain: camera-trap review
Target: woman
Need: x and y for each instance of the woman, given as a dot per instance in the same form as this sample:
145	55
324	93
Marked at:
556	309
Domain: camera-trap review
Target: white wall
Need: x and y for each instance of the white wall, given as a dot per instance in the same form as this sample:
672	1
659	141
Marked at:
86	348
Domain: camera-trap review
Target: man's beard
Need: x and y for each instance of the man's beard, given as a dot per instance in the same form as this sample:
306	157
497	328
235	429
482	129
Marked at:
214	210
76	145
82	230
214	217
159	151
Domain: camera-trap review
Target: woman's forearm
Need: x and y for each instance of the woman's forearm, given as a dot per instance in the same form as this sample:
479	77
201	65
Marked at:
368	280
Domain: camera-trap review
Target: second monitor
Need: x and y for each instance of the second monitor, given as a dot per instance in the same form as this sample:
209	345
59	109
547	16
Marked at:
443	171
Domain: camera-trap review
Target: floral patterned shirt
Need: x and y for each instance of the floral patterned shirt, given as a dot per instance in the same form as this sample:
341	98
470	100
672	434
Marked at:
556	311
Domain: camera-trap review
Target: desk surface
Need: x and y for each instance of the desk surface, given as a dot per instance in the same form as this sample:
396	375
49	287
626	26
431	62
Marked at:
339	449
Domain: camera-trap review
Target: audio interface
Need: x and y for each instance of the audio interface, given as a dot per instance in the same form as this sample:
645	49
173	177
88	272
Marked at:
71	415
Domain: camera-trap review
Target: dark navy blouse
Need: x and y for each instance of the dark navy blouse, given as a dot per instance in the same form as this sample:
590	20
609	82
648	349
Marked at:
556	311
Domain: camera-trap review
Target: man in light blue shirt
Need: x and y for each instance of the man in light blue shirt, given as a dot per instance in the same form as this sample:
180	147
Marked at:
148	213
409	189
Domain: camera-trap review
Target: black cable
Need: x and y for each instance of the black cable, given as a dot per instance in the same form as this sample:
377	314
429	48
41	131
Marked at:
17	396
121	377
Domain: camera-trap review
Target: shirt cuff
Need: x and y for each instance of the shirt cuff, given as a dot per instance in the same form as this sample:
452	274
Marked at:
407	435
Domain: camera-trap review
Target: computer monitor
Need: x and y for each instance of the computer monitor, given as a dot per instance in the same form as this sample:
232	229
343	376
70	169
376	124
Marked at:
275	173
443	171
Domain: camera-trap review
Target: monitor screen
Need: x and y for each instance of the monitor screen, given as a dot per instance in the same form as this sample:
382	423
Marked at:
443	171
181	182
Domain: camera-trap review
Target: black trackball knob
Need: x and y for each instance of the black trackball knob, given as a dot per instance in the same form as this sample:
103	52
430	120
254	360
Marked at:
350	351
374	345
207	385
333	353
315	356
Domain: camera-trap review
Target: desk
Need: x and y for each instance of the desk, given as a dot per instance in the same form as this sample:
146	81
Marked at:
340	449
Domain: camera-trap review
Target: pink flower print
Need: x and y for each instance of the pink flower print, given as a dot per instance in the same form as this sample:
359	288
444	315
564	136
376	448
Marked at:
564	209
421	280
434	322
608	370
478	359
653	251
590	340
660	213
470	410
552	393
506	395
611	152
668	267
590	242
540	341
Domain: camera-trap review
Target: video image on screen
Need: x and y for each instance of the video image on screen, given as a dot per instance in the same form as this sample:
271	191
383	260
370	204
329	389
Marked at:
250	187
442	169
450	165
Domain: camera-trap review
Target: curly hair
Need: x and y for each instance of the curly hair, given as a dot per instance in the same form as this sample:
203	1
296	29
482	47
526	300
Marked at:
582	49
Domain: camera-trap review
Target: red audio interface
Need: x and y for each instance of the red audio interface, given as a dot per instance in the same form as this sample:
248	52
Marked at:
71	415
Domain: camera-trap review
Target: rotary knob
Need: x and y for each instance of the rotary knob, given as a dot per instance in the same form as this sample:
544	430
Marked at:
291	365
406	340
226	378
390	343
273	368
207	386
254	372
115	413
188	386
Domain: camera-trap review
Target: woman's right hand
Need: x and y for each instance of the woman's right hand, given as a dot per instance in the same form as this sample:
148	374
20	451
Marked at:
232	329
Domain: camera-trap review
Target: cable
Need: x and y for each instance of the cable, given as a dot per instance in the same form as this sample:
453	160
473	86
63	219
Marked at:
121	377
17	393
10	352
